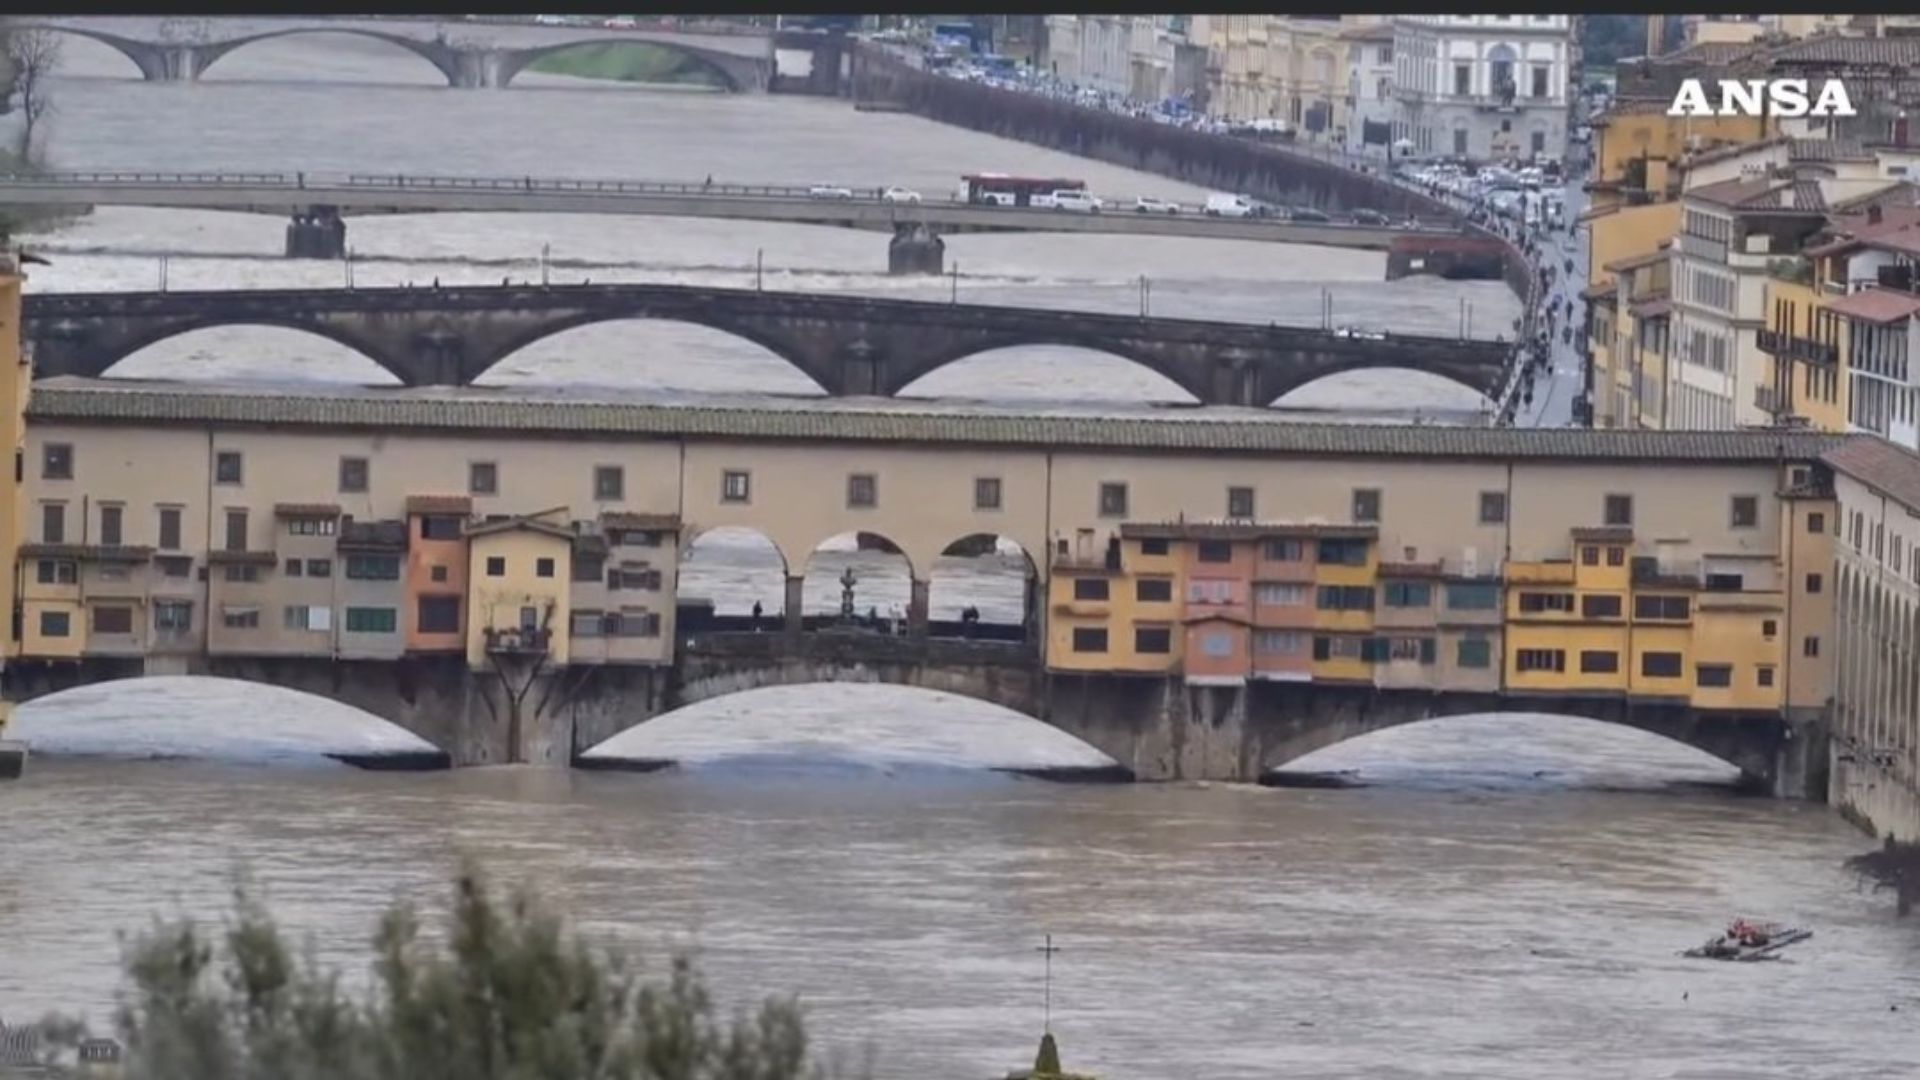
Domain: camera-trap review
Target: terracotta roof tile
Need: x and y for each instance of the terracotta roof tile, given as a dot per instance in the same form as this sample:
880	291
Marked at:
1880	465
88	552
511	524
306	510
1829	150
1635	262
439	504
1876	305
651	522
1830	49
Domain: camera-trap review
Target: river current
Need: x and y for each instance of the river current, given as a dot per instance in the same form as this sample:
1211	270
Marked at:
1506	899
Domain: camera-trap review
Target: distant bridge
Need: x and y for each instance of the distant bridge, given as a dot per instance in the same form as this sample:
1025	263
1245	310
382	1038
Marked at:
315	194
848	345
736	62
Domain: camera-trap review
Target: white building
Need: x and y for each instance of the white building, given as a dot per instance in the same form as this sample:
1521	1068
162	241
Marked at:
1129	55
1483	87
1370	88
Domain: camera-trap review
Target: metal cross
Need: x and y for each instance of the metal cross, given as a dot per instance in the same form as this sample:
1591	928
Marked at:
1049	949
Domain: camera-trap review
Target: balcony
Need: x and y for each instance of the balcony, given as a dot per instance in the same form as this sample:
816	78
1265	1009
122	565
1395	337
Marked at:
1791	347
1542	573
1699	247
518	640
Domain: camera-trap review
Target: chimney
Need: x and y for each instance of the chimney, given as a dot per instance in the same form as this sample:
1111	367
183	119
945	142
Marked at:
1873	213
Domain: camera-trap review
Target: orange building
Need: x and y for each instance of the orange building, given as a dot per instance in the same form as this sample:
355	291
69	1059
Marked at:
1218	565
437	572
1283	599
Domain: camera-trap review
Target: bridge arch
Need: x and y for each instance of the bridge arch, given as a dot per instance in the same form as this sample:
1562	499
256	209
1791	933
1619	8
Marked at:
731	567
438	53
512	63
1483	383
365	355
884	575
1010	368
146	56
723	364
993	576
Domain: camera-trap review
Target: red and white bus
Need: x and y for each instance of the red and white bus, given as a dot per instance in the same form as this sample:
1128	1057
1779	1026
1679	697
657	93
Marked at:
999	189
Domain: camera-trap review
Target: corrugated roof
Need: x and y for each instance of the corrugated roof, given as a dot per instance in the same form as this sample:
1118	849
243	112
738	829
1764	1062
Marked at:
512	524
613	519
1861	51
1734	149
439	504
1653	307
1635	262
1200	430
88	552
306	510
1880	465
1707	52
1876	305
1829	150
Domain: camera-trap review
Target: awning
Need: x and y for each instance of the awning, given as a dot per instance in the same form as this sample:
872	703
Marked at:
1876	305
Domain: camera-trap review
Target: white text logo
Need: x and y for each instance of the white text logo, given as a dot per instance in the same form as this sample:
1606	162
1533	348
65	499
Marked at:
1757	97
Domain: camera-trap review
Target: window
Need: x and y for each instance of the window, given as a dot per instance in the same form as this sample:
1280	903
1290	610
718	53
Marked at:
53	523
1535	603
1661	607
586	623
589	567
630	577
496	566
986	493
440	527
1271	594
240	618
1345	598
438	615
1113	500
1215	551
172	616
609	482
373	567
1283	551
1155	546
1473	596
1713	674
1462	84
1407	594
1089	588
56	461
1493	507
1474	652
1816	522
353	474
115	572
1209	591
1746	511
325	526
302	617
372	620
1217	645
226	467
169	528
736	486
1278	642
241	572
1600	607
55	624
293	568
1089	639
1340	648
56	572
1660	665
1599	662
632	623
437	574
1343	552
1763	675
1153	590
1617	510
1810	646
1813	583
1366	504
1410	648
1540	81
1616	556
1769	629
543	567
1540	660
113	620
236	530
1590	555
483	478
1152	639
1725	582
1239	502
174	566
863	491
319	567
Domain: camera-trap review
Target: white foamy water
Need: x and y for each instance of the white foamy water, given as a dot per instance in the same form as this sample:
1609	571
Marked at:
851	724
211	719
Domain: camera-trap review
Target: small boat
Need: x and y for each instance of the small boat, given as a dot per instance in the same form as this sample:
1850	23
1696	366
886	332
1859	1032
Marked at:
1749	941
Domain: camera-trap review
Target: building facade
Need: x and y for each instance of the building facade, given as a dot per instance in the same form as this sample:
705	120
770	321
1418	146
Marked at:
1483	87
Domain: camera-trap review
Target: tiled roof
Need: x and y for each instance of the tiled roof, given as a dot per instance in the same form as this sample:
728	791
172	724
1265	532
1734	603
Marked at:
1639	106
613	519
306	510
1880	465
1829	150
1599	293
1653	307
487	528
1876	305
374	535
1830	49
1605	534
1635	262
1896	229
257	558
88	552
1735	149
1707	52
1762	193
439	504
503	414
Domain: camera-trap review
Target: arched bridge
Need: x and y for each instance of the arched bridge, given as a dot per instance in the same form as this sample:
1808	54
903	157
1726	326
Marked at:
848	345
743	66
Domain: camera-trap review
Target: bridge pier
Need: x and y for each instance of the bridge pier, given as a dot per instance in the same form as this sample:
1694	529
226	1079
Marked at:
796	597
915	249
318	233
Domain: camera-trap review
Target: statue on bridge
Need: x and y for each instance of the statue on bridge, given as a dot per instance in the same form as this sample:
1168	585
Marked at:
847	582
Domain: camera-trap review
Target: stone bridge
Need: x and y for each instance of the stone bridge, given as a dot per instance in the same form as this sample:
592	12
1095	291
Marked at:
848	345
737	64
1155	728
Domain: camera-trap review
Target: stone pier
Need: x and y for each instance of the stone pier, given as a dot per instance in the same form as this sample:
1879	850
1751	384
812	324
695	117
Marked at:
317	233
916	249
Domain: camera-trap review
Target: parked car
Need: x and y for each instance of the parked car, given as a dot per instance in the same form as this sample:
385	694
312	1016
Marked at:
550	20
621	22
900	195
1147	204
829	191
1078	201
1228	206
1365	216
1307	213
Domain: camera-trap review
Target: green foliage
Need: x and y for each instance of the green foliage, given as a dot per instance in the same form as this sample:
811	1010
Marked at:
1608	38
509	994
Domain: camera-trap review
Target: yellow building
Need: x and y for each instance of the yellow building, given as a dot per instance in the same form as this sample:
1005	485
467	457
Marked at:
518	572
1115	606
16	378
1808	347
1640	154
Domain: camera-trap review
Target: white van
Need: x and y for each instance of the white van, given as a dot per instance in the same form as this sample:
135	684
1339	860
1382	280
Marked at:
1228	206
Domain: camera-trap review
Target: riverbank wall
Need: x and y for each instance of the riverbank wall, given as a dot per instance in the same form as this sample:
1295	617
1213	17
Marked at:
1874	797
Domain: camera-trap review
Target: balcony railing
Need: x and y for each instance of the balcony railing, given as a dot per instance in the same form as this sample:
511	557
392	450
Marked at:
517	640
1791	347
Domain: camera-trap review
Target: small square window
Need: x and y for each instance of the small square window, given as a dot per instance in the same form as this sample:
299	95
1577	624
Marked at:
353	474
986	493
1816	522
1239	502
56	461
1366	505
319	567
439	573
1616	556
863	491
1810	647
609	482
483	478
1746	511
736	486
1113	500
1617	510
226	467
293	568
1493	507
1814	582
543	567
496	566
1764	675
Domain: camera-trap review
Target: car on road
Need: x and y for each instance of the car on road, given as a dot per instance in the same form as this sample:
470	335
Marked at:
1365	216
900	195
829	191
621	22
550	20
1228	206
1039	200
1307	213
1079	202
1147	204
